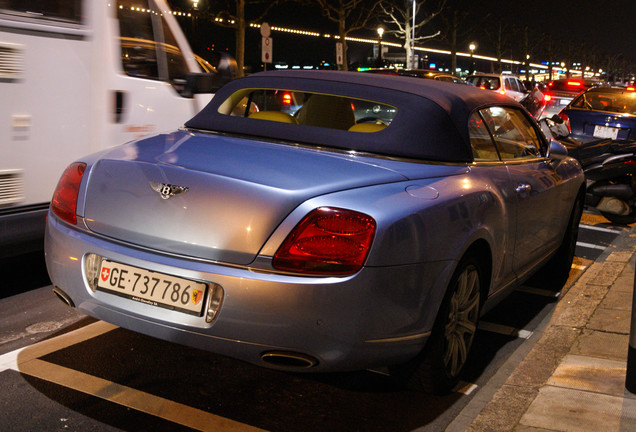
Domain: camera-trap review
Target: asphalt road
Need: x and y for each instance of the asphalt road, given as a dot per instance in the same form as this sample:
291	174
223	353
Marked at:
60	370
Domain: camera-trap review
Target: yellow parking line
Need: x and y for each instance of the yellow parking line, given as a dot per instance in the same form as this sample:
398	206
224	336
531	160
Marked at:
131	398
26	361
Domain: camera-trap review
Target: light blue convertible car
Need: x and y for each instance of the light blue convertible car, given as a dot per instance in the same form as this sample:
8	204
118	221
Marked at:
320	221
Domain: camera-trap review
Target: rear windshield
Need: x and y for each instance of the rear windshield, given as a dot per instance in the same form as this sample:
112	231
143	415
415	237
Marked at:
310	109
622	102
485	82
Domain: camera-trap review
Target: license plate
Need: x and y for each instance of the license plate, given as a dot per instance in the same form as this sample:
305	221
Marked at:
156	289
605	132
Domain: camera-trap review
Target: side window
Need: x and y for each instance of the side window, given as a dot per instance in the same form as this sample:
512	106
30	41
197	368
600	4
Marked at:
149	50
508	84
514	135
138	49
480	140
61	11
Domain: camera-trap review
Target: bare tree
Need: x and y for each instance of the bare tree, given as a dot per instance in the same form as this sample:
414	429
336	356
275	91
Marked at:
233	16
501	41
458	21
400	15
350	15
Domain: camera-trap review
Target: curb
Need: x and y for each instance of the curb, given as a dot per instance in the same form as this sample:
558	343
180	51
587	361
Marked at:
499	407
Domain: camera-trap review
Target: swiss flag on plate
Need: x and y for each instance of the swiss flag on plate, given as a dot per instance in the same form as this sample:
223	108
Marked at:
105	273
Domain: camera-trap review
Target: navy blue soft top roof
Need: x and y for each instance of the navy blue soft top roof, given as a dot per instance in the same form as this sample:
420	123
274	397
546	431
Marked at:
431	121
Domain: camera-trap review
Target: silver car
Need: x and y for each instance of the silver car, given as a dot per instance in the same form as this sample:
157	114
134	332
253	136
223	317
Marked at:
326	240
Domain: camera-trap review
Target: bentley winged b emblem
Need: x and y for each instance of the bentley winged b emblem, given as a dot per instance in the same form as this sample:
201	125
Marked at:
167	191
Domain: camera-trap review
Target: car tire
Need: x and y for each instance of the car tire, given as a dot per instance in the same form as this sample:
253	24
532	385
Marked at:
438	367
555	272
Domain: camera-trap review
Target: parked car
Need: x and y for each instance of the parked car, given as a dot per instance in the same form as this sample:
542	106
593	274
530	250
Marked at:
559	93
504	84
320	242
429	74
602	112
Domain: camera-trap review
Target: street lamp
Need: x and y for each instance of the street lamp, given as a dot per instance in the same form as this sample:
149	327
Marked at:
472	47
380	33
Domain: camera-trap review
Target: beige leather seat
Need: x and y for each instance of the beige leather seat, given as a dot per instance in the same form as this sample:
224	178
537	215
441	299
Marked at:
273	116
367	127
326	111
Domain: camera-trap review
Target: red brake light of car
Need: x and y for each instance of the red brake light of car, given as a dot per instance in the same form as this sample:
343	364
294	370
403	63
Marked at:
287	98
574	83
328	241
547	97
64	202
631	89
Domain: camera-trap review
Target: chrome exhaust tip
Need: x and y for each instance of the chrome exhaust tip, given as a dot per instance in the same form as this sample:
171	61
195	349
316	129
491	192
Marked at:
63	297
289	360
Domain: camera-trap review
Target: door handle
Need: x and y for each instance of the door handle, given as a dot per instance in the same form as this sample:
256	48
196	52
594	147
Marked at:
523	188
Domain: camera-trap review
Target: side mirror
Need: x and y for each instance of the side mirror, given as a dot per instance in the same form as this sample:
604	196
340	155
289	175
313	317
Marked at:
554	126
196	83
557	151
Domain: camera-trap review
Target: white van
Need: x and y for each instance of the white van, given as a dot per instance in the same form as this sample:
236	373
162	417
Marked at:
77	76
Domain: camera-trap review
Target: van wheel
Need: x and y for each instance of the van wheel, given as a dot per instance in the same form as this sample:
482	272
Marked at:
438	367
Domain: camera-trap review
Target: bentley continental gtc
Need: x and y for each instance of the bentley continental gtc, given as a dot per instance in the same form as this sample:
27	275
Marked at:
320	221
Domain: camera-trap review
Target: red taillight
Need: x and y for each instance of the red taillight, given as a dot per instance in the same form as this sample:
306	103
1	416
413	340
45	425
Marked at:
566	120
631	88
287	98
64	202
547	97
327	241
574	83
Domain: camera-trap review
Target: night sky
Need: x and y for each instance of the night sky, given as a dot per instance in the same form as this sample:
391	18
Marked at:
603	27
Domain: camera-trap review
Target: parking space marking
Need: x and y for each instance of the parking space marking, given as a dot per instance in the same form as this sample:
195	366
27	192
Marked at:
10	360
465	388
596	228
128	397
27	361
590	246
504	330
539	291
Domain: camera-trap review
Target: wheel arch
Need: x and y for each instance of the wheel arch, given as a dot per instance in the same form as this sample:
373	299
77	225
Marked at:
481	251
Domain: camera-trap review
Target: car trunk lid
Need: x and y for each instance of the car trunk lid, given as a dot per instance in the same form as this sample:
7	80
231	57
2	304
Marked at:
222	203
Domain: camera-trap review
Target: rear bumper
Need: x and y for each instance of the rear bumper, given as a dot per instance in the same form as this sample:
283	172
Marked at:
379	316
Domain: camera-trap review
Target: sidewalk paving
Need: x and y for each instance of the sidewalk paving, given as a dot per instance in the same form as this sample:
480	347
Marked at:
573	377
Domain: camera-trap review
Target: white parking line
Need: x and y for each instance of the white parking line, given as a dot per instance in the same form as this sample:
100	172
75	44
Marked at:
504	330
539	291
26	361
595	228
590	246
